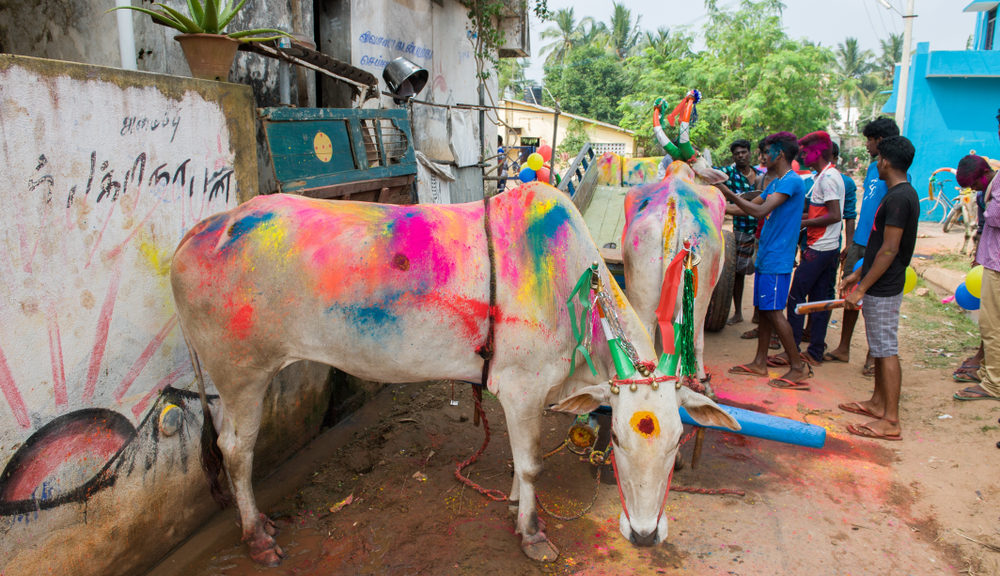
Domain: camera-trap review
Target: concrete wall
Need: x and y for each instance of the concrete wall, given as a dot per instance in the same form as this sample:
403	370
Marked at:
104	171
951	111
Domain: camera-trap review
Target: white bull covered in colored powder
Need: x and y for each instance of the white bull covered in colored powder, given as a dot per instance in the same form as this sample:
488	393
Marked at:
403	294
660	219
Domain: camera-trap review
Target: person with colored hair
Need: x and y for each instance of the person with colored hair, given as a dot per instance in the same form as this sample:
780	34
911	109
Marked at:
873	190
975	172
879	288
816	276
743	181
780	207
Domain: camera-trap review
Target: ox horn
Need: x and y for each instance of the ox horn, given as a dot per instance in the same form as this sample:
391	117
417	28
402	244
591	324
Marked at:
682	112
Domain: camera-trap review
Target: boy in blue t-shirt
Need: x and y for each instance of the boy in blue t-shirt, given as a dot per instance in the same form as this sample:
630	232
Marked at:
780	206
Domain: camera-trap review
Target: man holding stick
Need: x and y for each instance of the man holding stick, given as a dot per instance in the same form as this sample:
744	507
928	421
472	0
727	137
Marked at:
780	206
879	290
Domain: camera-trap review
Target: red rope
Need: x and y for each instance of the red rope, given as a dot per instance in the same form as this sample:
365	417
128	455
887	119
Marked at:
492	494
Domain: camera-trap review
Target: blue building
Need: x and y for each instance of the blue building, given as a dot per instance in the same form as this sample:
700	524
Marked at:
953	100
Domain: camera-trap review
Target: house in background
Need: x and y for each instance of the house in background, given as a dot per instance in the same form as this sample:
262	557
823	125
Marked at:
953	99
524	120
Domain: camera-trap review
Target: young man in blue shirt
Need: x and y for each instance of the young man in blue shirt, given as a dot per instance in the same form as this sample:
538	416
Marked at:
874	190
780	206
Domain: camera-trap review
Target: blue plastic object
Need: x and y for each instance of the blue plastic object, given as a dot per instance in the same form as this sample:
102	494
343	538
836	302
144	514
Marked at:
965	299
760	425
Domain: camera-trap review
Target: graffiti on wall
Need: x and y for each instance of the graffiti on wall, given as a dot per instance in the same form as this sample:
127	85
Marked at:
96	198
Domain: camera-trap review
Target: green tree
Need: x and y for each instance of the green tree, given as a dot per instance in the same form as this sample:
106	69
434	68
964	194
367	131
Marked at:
566	34
510	74
754	79
589	83
574	140
624	34
853	66
892	52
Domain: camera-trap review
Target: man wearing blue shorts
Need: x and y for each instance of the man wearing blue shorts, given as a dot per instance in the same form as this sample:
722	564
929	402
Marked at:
780	207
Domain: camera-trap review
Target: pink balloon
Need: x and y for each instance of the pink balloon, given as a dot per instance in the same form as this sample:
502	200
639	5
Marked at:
546	151
542	174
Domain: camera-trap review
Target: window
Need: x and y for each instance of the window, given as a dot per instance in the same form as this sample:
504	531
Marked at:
602	147
991	21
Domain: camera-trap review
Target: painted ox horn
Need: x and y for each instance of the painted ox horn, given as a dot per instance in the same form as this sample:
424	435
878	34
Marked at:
683	150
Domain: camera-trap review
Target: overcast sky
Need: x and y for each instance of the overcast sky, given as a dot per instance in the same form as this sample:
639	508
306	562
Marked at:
940	22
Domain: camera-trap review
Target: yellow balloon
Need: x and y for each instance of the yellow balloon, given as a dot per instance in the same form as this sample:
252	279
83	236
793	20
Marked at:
535	161
974	281
911	280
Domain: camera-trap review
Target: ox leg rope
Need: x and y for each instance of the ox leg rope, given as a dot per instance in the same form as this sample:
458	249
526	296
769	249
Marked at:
486	352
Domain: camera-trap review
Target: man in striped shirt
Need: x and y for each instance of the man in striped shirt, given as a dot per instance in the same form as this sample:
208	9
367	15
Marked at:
743	181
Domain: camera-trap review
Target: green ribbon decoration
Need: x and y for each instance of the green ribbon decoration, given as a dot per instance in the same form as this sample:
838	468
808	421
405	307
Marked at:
582	292
685	340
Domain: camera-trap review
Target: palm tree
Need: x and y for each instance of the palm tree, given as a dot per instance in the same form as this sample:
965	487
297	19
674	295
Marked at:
852	65
624	33
892	52
566	34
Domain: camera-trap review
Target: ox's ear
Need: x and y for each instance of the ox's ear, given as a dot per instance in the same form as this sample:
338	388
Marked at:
584	400
706	173
704	411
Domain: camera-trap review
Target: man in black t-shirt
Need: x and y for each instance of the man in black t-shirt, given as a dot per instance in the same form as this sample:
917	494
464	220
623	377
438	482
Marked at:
879	290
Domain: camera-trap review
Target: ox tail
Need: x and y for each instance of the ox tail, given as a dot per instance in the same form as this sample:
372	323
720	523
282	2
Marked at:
211	456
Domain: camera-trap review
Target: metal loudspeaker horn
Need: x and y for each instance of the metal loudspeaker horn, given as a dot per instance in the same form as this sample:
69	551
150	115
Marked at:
404	79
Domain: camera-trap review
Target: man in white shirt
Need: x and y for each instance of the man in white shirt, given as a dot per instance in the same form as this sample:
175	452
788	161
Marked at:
816	274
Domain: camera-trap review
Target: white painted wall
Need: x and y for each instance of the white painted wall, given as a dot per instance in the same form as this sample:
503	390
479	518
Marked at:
103	172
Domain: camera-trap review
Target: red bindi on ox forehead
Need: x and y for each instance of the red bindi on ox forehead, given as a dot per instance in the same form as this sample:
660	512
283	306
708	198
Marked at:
647	426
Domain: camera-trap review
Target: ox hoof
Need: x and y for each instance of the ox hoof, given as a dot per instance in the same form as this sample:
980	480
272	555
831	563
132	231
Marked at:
266	554
540	550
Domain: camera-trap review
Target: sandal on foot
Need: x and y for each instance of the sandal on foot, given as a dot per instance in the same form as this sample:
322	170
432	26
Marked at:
786	384
777	360
868	371
857	408
828	357
744	370
750	334
965	377
866	431
973	393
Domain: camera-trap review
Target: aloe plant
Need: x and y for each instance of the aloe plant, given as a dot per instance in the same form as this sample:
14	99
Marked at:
208	18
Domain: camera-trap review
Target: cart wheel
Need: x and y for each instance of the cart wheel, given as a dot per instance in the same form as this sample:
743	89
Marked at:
722	296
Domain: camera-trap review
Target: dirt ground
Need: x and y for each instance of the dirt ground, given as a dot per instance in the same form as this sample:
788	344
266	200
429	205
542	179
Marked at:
382	498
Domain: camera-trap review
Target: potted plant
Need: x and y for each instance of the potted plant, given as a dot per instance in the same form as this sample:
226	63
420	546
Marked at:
209	51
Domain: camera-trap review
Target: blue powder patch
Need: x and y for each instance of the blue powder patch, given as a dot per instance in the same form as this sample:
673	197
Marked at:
247	224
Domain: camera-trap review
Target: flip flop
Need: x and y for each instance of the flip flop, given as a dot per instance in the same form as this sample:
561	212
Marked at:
866	431
868	371
831	358
965	377
775	343
743	370
786	384
777	360
750	334
857	408
971	393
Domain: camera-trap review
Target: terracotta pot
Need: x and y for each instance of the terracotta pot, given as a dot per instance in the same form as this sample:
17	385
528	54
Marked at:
209	56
